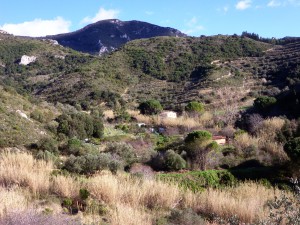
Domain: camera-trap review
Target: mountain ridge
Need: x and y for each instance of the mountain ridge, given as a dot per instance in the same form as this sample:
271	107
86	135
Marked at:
107	35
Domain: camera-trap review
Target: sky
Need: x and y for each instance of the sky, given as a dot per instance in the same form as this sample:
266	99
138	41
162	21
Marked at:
268	18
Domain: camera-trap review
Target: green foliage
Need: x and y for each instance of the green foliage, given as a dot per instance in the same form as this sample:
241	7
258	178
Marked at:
194	106
48	144
198	180
264	102
84	194
89	163
292	148
150	107
80	125
198	136
197	145
174	161
123	152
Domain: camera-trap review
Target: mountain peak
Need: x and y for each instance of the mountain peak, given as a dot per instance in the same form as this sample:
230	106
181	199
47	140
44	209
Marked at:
107	35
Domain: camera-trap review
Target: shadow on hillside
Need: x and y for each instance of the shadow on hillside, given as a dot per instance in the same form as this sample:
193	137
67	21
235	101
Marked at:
253	170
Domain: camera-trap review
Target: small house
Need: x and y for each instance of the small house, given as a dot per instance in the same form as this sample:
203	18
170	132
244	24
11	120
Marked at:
168	114
221	140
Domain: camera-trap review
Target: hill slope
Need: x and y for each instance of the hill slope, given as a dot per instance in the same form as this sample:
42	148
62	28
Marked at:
107	35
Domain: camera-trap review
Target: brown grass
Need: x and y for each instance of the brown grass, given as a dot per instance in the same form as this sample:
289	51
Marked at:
23	170
134	192
247	202
10	200
124	214
185	120
130	200
66	187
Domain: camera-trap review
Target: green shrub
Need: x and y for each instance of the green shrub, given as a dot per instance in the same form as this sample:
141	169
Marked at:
89	164
124	152
194	107
263	102
174	161
150	107
292	148
48	144
80	125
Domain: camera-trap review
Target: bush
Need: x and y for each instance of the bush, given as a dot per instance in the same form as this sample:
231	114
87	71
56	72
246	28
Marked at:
264	102
89	164
194	107
292	148
122	151
80	125
48	144
150	107
174	161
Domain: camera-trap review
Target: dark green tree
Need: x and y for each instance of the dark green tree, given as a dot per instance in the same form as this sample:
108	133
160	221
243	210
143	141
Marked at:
150	107
194	107
264	102
198	144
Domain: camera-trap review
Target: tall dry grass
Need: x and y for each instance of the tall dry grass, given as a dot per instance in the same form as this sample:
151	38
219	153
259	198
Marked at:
65	186
247	202
23	170
11	200
184	120
130	200
124	214
134	192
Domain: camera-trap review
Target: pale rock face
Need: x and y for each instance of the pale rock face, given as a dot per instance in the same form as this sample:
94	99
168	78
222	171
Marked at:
25	60
22	114
103	50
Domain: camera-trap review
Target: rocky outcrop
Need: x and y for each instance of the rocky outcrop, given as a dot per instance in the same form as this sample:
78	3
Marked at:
25	60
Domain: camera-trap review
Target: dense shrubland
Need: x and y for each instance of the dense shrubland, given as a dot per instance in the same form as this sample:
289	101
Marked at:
92	157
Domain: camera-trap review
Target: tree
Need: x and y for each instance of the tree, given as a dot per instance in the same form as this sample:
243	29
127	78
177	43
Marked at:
198	144
194	107
264	102
150	107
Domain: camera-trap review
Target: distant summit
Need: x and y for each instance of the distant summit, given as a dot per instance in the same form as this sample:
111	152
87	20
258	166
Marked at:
3	32
107	35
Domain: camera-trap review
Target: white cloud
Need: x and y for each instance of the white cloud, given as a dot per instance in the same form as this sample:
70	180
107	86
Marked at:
102	14
274	3
192	26
244	4
38	27
149	13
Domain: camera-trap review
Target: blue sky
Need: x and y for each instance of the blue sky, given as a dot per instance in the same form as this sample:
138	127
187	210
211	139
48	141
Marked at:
268	18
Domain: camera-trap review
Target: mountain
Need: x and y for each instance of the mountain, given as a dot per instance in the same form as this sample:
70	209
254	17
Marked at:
107	35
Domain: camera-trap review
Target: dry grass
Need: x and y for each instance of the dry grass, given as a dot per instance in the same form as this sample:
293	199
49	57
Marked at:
127	198
244	140
13	199
124	214
270	127
108	114
246	201
134	192
23	170
66	187
186	121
